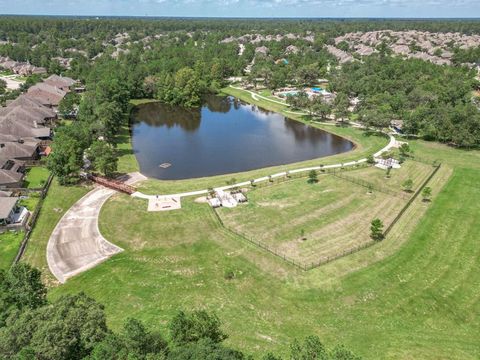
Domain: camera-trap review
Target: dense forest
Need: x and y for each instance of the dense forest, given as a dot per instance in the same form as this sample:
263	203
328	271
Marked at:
179	60
74	327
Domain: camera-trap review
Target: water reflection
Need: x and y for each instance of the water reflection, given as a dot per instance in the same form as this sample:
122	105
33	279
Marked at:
223	136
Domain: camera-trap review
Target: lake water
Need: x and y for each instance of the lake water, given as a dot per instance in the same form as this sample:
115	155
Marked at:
224	136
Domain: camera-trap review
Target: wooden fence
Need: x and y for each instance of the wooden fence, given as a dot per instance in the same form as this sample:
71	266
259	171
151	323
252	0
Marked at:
32	221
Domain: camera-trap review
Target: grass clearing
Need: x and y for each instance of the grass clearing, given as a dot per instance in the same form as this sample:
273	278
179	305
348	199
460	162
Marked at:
397	307
127	162
9	244
36	177
312	222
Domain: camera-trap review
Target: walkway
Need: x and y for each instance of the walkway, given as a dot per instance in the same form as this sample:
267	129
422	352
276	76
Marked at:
76	244
392	143
256	96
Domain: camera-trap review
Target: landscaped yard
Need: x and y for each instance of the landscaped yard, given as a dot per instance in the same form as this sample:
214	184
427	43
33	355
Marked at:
9	244
36	177
312	222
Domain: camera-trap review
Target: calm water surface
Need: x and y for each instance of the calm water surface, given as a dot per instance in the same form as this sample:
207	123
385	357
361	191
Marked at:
224	136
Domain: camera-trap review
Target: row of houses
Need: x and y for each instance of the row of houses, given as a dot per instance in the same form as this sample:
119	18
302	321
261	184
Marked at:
25	127
20	68
25	132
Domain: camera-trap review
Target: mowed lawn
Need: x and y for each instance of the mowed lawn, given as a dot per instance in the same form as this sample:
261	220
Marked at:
310	223
421	302
36	177
9	244
416	171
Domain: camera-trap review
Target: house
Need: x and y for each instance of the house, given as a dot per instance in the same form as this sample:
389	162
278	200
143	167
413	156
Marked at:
60	82
291	49
46	94
22	128
12	215
11	174
33	105
20	149
342	56
261	50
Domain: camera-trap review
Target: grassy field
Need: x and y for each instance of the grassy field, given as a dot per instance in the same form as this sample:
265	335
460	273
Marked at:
127	162
312	222
418	298
413	170
413	296
9	244
36	177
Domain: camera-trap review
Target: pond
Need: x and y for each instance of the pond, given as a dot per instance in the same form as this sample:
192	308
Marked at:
223	136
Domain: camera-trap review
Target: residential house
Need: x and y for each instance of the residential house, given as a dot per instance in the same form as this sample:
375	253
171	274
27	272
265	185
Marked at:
46	94
12	215
60	82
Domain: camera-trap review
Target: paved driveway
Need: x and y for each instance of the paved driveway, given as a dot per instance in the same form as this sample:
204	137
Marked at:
76	244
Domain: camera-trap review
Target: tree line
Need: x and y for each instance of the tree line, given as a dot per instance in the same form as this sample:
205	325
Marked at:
74	327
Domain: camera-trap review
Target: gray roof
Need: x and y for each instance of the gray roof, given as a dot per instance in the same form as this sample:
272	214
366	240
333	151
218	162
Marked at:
47	94
5	194
22	129
6	206
59	81
10	177
14	150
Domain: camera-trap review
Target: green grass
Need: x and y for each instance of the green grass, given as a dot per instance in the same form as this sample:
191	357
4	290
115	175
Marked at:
312	222
59	199
136	102
9	244
31	201
36	177
413	296
127	162
420	301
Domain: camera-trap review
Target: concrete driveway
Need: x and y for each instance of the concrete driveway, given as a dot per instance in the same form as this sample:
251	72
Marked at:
76	243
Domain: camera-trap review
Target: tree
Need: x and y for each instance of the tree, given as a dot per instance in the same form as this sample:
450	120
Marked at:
3	86
307	74
134	342
320	107
191	327
370	160
67	329
187	86
20	287
103	157
405	150
426	193
341	105
407	185
374	118
205	349
69	104
340	352
312	177
310	349
376	228
66	159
